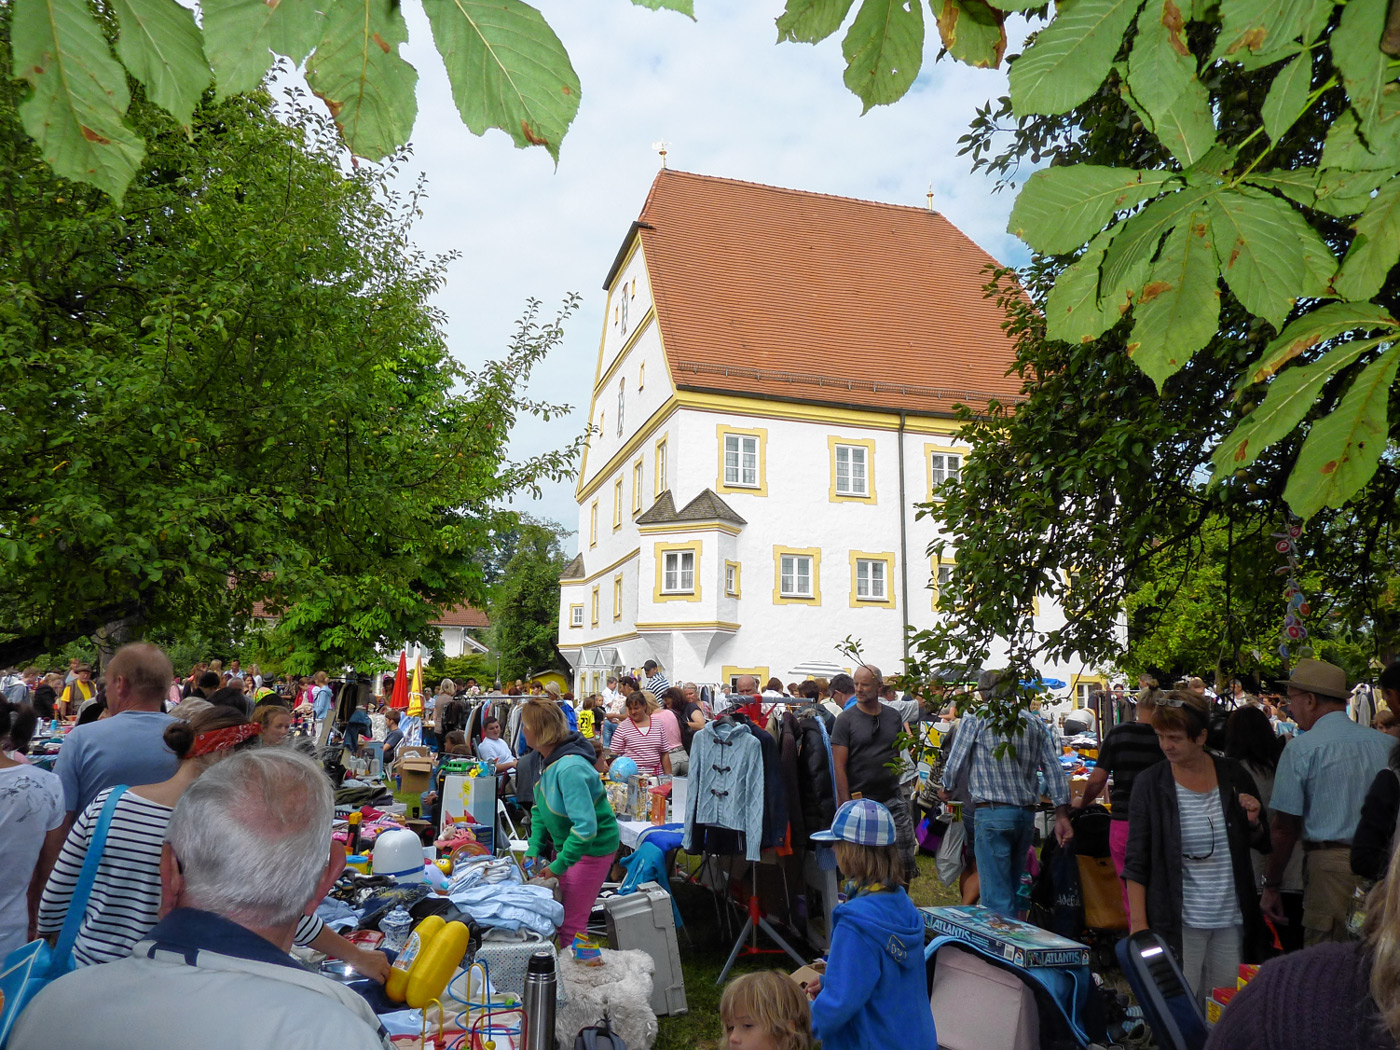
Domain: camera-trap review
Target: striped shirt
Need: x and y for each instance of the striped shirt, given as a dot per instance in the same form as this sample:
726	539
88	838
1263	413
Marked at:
643	746
125	900
1208	899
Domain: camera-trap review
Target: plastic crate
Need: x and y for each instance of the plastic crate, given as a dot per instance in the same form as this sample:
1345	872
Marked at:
644	920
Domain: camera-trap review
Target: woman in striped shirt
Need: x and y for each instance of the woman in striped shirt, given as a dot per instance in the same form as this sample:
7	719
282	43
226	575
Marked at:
643	738
125	900
1191	823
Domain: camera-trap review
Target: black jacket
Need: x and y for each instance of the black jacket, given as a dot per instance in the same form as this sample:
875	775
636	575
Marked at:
1370	846
1154	850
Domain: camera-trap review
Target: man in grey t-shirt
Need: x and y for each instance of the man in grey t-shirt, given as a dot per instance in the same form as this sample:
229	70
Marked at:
128	746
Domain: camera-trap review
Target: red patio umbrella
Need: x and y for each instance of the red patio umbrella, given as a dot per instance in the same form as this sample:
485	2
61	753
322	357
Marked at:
399	699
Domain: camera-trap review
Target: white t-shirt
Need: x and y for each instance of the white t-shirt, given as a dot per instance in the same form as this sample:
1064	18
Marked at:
490	749
31	805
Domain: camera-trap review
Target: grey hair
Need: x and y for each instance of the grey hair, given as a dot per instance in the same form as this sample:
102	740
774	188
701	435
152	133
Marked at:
253	835
690	685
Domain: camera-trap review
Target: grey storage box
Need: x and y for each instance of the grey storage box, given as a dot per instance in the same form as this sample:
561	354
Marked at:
644	920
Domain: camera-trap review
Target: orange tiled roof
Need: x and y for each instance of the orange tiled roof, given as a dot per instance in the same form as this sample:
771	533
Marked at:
809	297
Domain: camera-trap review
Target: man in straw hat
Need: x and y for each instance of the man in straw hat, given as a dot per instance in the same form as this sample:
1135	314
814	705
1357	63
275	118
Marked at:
1322	779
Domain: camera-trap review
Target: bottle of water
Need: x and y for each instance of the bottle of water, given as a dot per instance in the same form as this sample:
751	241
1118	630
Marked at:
395	927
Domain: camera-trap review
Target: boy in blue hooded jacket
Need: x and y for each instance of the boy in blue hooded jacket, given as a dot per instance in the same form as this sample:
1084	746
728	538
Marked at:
874	994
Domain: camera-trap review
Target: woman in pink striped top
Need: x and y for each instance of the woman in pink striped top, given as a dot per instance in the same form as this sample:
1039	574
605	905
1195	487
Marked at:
643	738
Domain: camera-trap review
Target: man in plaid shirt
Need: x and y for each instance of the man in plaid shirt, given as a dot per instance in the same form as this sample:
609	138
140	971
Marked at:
1006	793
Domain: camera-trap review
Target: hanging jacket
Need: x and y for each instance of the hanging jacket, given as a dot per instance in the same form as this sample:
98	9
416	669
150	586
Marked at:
816	779
874	992
726	784
775	816
789	736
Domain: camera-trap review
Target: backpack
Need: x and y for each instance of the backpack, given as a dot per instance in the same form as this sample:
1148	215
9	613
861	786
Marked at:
599	1037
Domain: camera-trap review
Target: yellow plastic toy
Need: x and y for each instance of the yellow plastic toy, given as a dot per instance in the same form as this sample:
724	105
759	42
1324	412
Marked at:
396	987
437	963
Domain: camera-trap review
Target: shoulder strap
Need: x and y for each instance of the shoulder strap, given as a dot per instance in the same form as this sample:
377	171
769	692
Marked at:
77	906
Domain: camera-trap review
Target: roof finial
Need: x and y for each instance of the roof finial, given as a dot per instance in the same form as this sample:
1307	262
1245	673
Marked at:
930	196
661	146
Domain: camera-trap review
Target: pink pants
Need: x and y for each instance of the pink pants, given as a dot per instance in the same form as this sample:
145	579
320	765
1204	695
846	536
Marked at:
1118	849
579	886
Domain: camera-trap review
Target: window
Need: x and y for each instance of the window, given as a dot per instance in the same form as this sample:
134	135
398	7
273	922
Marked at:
731	579
576	615
593	524
850	471
595	605
796	574
661	485
625	300
942	577
852	465
741	456
637	487
741	460
678	573
641	375
1084	692
943	467
870	579
621	403
617	504
617	597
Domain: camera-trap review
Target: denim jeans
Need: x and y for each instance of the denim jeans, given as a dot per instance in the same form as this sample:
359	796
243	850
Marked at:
609	728
1003	837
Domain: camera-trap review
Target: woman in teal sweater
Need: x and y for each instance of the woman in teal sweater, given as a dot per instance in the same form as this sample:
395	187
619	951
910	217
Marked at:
571	811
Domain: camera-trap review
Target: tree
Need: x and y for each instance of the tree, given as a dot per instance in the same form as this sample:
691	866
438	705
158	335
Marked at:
525	609
231	390
506	67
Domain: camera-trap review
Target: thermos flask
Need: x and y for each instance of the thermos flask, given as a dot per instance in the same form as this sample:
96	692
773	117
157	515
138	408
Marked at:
541	986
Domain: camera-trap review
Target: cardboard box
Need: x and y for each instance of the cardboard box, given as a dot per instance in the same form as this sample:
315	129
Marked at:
805	975
1018	943
414	765
1247	972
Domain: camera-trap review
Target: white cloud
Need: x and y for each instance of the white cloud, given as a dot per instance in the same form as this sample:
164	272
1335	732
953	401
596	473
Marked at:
731	102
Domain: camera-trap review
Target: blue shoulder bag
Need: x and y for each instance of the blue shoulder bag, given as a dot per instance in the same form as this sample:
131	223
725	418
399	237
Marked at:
27	969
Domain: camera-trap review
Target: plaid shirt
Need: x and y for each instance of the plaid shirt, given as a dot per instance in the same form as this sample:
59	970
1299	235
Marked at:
1012	778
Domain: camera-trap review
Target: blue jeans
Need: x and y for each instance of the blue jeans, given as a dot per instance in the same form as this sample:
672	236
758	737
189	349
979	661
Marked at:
1003	837
609	728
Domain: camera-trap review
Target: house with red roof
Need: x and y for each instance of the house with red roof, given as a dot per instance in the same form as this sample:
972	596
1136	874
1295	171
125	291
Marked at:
774	396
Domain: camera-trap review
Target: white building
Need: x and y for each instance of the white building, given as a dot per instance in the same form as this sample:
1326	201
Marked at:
773	397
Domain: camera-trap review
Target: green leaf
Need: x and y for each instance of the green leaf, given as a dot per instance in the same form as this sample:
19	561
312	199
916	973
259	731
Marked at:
1343	448
240	36
1179	307
809	21
1342	193
161	46
79	94
1290	398
1070	57
1299	184
1287	96
1074	311
507	68
1359	59
1316	326
1058	209
1019	5
1268	255
685	7
1135	246
1345	149
973	31
883	50
1374	249
1263	27
1163	86
356	70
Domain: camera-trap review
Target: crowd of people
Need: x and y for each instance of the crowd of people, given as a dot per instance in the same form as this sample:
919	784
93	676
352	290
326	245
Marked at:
1241	826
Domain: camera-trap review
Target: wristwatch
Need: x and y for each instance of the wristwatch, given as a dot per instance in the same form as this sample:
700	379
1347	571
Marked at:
1270	885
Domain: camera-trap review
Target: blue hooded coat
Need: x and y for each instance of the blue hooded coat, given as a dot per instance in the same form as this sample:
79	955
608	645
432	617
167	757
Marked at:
875	991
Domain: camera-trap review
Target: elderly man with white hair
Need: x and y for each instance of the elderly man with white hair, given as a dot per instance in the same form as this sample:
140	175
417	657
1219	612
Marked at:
247	854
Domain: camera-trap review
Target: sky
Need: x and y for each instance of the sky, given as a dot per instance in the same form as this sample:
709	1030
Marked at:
730	102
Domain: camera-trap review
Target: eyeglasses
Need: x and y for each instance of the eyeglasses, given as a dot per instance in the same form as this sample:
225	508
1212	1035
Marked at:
1205	856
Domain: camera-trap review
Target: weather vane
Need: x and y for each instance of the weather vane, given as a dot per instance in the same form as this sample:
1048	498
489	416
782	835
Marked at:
661	146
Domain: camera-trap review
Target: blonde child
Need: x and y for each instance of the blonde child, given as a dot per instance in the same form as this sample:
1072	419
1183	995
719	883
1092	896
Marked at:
874	992
765	1011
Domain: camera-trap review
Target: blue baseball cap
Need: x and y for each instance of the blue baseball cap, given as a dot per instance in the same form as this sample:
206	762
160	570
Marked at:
862	821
